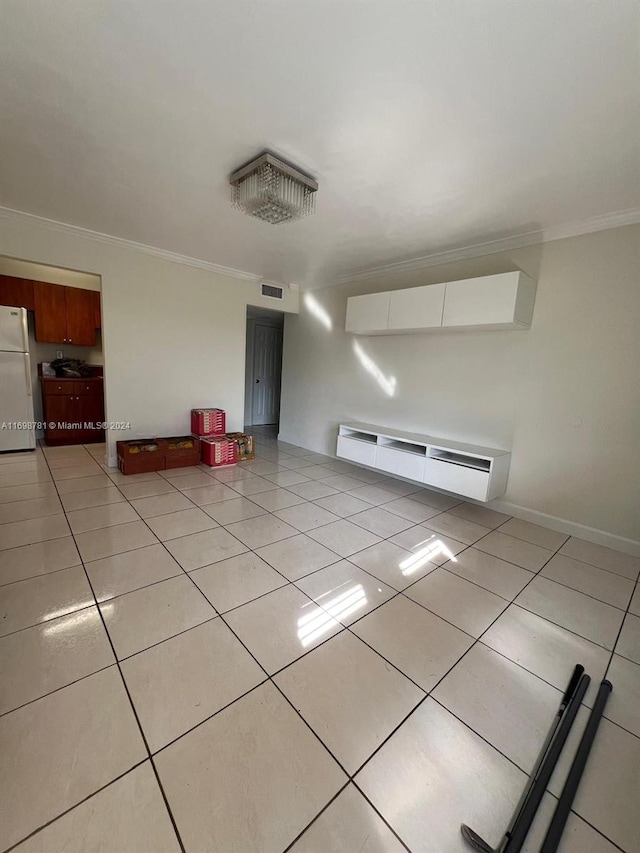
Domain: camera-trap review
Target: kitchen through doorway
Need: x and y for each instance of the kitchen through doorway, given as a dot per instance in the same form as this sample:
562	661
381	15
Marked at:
263	367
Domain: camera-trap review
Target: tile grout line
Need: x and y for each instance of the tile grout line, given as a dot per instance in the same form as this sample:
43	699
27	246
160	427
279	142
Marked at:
133	708
429	695
76	805
627	612
339	558
268	679
422	701
288	582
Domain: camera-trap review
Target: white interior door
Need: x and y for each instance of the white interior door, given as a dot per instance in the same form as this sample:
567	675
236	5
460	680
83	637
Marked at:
267	370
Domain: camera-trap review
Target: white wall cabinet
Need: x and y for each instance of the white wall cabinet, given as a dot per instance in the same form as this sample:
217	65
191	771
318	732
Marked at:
492	302
368	313
468	470
416	308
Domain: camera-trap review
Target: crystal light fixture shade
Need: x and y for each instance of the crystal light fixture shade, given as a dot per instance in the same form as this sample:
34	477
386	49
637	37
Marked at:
272	190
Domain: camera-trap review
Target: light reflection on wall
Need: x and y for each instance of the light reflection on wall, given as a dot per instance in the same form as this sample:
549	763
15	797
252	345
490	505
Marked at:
387	383
314	307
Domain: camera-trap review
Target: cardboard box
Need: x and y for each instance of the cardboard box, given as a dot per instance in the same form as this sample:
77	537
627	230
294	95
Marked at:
246	445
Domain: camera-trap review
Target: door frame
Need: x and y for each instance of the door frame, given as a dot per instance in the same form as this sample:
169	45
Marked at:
263	317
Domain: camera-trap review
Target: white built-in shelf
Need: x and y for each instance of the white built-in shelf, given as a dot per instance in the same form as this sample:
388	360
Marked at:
491	302
469	470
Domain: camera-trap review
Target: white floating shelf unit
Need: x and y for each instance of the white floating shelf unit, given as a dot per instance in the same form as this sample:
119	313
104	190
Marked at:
491	302
468	470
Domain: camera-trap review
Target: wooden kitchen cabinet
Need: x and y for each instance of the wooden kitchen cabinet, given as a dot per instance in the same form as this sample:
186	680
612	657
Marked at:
64	315
81	328
97	311
16	292
51	312
70	406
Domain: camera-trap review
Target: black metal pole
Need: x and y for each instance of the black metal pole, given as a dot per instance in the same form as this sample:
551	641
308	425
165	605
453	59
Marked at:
563	807
525	819
572	686
472	837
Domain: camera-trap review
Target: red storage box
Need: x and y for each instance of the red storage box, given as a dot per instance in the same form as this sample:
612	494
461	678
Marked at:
141	456
181	451
219	451
208	422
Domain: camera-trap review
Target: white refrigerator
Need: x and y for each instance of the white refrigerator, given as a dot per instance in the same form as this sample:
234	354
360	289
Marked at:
16	395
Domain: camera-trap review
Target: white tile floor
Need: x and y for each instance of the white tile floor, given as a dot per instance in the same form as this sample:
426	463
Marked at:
295	654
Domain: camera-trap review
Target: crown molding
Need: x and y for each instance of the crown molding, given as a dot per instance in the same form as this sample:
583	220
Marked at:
121	243
504	244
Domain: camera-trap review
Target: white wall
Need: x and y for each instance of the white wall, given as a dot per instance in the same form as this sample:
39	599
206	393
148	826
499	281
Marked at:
173	335
43	272
564	396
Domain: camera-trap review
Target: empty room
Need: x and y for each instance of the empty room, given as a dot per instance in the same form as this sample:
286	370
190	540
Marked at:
319	426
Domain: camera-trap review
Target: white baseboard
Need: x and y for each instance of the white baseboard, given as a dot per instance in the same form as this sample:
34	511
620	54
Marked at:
295	441
562	525
112	461
573	528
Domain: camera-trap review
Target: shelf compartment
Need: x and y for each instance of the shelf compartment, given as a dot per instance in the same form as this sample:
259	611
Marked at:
403	446
469	470
358	435
461	459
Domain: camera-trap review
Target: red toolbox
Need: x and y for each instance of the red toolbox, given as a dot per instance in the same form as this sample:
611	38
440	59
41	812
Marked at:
208	422
219	451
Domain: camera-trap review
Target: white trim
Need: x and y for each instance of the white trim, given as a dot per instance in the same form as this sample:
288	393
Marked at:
120	242
112	462
295	442
505	244
518	241
563	525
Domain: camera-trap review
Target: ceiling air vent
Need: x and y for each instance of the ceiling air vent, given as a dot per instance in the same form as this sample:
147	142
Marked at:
273	291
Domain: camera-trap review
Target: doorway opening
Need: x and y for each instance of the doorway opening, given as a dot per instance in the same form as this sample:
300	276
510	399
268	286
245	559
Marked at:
58	315
263	370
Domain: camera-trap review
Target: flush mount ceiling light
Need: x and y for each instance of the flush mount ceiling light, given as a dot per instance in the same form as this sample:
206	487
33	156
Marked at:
272	190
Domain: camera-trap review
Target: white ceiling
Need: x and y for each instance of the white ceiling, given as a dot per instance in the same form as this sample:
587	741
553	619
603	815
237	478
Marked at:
429	125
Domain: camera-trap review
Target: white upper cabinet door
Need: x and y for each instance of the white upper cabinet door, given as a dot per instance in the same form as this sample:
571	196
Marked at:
503	301
368	314
417	308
